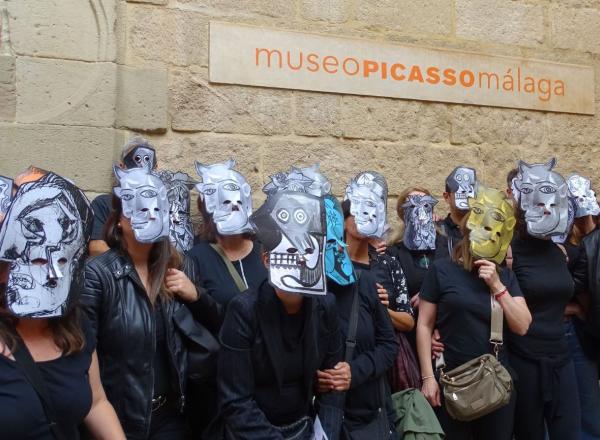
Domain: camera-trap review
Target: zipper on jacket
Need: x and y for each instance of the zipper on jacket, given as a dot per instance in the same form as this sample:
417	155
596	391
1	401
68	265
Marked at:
171	351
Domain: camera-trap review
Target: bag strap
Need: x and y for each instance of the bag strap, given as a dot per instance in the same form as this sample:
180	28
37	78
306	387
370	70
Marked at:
351	338
496	323
31	371
237	279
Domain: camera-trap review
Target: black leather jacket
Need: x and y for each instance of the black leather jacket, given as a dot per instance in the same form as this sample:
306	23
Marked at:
121	315
586	274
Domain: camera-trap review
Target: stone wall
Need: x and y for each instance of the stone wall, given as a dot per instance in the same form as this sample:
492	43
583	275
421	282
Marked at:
78	76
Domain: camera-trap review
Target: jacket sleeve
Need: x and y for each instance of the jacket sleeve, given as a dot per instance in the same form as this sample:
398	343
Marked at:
205	309
373	363
579	271
91	297
236	377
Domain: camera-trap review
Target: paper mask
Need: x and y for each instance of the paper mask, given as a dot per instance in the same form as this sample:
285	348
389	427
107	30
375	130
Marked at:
338	265
140	157
461	183
227	197
6	187
419	231
543	197
580	190
291	226
181	231
309	180
561	238
367	193
491	224
44	239
144	199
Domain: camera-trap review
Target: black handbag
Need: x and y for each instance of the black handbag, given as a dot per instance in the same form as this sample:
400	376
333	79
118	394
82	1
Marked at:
379	427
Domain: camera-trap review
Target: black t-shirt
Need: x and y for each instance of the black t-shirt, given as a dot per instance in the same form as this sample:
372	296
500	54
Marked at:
543	274
452	233
463	309
215	278
67	381
102	206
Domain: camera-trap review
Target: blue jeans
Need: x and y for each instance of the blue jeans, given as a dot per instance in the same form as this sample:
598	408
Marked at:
586	371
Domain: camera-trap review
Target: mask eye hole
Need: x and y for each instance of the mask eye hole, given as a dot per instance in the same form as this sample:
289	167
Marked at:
283	215
62	261
138	158
300	216
459	177
39	262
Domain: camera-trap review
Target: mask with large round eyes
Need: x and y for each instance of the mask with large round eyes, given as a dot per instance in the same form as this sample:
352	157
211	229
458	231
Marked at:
140	157
461	182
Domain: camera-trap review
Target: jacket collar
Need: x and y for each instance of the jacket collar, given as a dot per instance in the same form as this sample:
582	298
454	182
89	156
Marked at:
122	267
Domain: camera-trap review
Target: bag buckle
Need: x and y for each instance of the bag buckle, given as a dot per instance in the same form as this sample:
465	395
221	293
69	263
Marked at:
497	345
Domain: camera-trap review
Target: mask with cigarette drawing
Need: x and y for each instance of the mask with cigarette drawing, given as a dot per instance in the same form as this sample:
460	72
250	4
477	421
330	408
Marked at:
580	191
419	231
543	197
227	197
179	184
291	227
338	265
491	224
44	239
461	182
367	193
144	200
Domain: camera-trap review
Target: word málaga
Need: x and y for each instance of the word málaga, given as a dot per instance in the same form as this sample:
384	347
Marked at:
512	80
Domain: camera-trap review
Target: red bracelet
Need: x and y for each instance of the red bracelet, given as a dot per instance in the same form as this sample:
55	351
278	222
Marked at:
499	294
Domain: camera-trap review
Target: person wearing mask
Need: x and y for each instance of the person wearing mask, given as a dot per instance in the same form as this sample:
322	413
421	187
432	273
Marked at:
142	302
43	238
546	385
136	153
460	186
374	348
275	338
457	296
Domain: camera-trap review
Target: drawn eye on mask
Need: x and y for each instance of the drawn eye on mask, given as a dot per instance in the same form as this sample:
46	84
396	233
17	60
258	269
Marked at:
140	157
367	193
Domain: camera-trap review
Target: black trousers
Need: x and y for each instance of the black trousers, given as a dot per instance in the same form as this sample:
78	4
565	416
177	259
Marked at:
561	415
168	423
497	425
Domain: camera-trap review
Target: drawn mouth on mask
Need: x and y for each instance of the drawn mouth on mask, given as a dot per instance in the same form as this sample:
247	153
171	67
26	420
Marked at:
139	225
301	274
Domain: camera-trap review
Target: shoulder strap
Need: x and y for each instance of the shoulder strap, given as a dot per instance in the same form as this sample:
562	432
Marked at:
232	271
496	336
27	365
353	324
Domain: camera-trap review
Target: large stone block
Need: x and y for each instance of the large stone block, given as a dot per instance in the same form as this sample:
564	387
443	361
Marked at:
335	11
481	125
393	119
501	21
407	16
78	30
65	92
142	98
153	2
8	90
317	114
165	35
573	130
575	28
83	154
197	105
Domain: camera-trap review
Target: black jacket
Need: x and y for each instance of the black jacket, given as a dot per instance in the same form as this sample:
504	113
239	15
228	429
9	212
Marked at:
122	319
586	274
249	368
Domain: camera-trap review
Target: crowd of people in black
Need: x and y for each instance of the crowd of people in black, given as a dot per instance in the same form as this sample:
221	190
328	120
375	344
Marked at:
306	318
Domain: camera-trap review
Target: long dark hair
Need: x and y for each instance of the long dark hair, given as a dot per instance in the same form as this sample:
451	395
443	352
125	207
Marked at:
163	255
461	254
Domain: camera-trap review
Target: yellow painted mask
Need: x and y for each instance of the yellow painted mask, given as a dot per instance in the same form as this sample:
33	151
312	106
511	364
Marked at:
491	224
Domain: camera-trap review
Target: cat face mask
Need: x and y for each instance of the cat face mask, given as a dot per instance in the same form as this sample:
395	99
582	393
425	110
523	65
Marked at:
367	193
419	231
338	265
44	239
181	231
461	182
291	226
543	197
491	224
227	197
580	191
144	199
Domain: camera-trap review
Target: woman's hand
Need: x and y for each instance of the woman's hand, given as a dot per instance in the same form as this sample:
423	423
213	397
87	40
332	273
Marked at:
383	295
431	391
437	347
488	273
414	301
379	245
337	378
179	284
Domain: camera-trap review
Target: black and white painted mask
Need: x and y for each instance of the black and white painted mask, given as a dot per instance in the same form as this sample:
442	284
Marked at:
419	231
367	193
291	226
181	231
227	197
44	239
461	183
6	186
144	199
308	180
580	191
543	197
140	157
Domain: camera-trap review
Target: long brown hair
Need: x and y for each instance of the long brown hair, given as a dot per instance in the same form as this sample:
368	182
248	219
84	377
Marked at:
163	255
461	254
